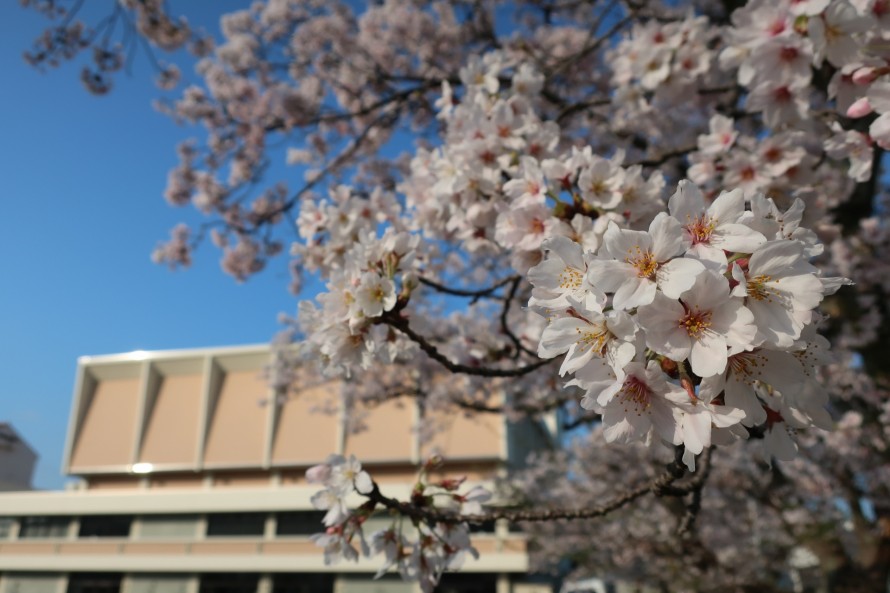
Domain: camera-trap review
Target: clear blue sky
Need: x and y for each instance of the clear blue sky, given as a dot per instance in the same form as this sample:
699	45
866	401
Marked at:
82	183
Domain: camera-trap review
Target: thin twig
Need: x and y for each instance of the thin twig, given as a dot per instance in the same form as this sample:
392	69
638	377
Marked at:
657	485
476	294
514	286
395	321
694	506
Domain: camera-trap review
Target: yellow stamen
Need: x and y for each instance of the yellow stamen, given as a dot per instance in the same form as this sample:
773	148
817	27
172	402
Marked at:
643	261
757	288
570	278
696	323
701	228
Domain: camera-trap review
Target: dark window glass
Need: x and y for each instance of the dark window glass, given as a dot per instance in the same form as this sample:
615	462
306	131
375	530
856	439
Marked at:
33	527
299	523
467	583
302	583
224	524
105	526
6	524
229	583
94	582
487	527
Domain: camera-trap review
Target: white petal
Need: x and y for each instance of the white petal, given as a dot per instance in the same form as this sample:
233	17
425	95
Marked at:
708	355
620	243
633	293
737	237
728	206
678	275
609	274
687	201
363	483
667	237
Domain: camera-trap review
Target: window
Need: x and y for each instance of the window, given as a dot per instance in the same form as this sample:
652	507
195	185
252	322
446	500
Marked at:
105	526
6	525
229	524
94	582
31	583
467	583
172	526
302	583
39	527
158	583
299	523
486	527
229	583
389	583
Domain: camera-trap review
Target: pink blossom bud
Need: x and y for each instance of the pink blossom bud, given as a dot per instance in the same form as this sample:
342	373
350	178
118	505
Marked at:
670	367
451	484
865	75
860	108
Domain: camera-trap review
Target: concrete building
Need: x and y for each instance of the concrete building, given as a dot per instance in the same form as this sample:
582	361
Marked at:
17	460
192	481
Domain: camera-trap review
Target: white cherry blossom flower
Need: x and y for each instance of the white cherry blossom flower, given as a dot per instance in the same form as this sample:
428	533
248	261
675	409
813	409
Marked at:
705	325
721	137
697	419
633	264
780	288
745	373
585	334
716	228
645	402
832	33
600	182
375	294
336	547
561	278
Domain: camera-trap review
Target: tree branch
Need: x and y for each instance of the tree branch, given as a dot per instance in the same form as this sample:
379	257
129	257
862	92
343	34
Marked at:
658	485
475	294
400	323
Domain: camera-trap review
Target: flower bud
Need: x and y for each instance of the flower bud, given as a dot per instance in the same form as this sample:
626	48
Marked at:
865	75
669	367
860	108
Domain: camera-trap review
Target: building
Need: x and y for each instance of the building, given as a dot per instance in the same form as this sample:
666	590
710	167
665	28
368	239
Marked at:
17	460
192	481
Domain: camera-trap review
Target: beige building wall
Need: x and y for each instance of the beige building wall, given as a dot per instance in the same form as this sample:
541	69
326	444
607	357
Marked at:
386	432
238	423
304	435
108	428
171	434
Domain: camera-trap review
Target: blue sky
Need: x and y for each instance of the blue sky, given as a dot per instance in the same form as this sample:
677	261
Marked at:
83	178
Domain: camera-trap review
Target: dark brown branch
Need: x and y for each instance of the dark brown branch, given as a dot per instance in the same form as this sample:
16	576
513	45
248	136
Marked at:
394	320
506	328
416	512
665	157
475	294
698	484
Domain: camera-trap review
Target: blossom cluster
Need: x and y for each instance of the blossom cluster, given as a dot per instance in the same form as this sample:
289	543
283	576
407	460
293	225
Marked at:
491	186
773	47
372	276
700	325
419	553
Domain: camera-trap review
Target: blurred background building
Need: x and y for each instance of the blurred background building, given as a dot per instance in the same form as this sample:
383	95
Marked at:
17	460
190	479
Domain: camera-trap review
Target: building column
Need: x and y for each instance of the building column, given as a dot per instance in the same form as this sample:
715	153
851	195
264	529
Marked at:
503	583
